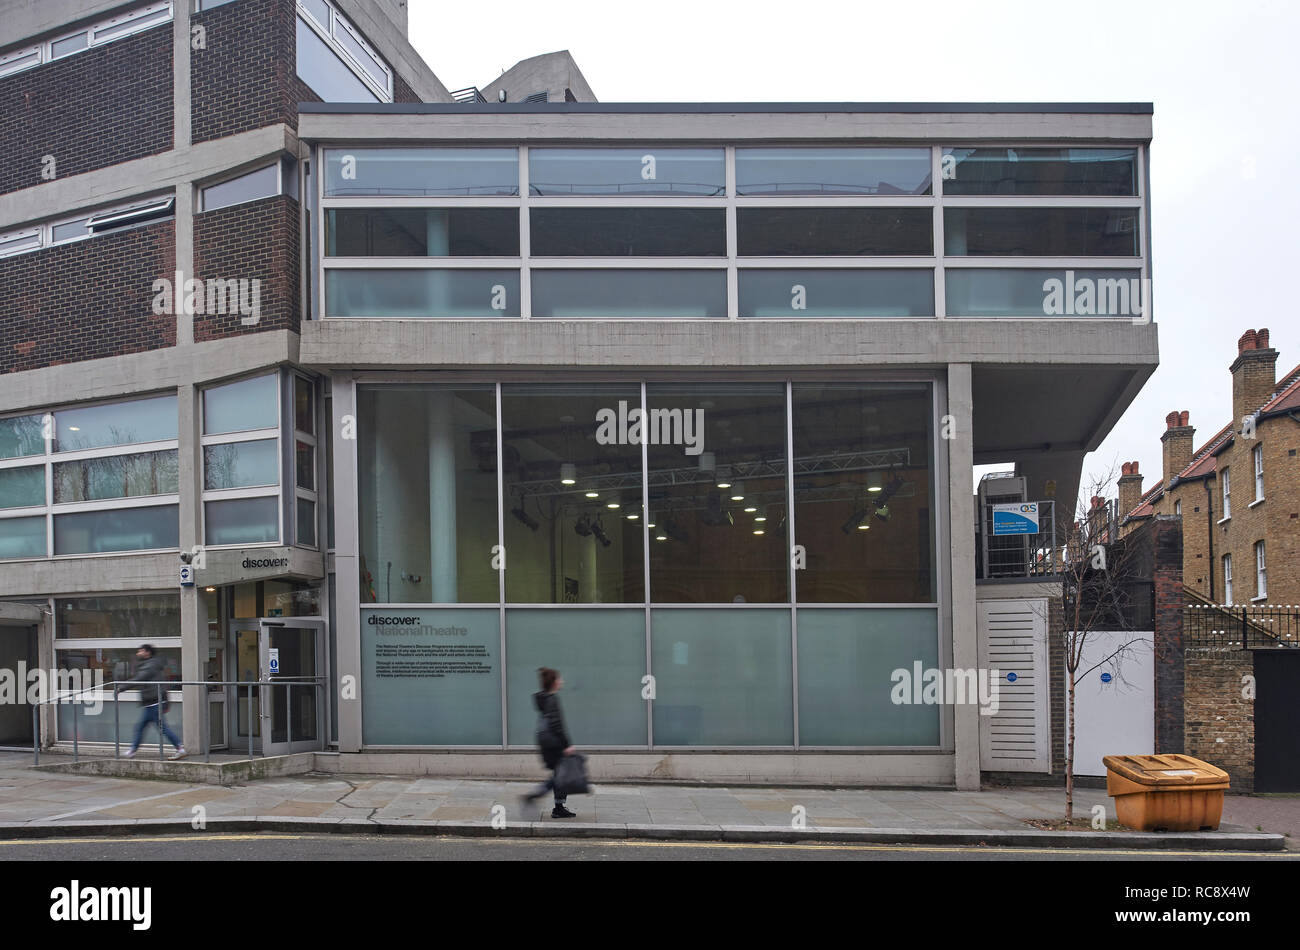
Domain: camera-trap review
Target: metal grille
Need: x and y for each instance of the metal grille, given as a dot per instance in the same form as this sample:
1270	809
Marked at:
1247	628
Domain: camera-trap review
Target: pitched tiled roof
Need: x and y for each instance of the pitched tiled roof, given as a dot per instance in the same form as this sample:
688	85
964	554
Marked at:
1286	396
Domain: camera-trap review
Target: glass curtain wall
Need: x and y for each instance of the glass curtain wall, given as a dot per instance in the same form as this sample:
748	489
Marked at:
635	530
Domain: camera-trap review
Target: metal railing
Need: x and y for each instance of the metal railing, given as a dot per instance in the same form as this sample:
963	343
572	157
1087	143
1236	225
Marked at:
288	683
1019	555
1265	626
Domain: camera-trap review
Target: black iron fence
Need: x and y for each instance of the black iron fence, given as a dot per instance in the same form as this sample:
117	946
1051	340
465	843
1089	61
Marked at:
1266	626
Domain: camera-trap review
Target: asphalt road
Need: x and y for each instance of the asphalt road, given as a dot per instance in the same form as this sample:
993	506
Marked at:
315	847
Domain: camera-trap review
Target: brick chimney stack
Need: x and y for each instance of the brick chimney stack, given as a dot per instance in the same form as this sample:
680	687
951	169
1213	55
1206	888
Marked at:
1177	444
1254	374
1130	489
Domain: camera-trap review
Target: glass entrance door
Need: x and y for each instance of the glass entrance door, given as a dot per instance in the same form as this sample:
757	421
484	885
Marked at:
284	713
290	656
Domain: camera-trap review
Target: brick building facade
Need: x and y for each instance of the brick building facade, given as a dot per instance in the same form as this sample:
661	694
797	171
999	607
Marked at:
1250	552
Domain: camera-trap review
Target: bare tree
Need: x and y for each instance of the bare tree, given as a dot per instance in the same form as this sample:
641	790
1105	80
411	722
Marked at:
1100	574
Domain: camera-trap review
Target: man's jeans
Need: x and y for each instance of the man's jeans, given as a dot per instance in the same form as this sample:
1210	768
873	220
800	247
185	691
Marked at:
549	786
151	714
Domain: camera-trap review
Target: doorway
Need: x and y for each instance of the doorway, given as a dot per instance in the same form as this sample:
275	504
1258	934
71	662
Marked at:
18	654
285	714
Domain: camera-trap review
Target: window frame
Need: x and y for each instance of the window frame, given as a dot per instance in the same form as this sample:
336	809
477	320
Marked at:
151	14
50	456
938	263
265	433
328	35
1257	454
1227	578
1261	571
1225	480
202	203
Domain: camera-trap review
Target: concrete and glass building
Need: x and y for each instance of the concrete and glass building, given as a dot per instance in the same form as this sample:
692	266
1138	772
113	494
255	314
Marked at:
682	400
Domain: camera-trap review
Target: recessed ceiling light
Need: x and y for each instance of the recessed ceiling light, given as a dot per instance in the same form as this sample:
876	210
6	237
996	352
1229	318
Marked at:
593	494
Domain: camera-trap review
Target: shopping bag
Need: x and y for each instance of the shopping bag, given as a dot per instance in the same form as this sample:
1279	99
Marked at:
571	776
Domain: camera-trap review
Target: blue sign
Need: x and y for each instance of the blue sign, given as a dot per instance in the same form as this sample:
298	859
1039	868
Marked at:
1012	677
1105	677
1016	518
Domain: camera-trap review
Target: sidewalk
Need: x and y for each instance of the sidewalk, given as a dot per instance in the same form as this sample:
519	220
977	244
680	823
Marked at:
44	803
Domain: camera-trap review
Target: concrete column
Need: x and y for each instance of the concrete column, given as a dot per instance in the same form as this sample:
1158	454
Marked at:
181	140
961	518
442	496
347	552
194	627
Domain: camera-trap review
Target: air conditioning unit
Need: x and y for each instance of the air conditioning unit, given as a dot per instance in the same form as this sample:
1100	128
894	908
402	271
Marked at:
1001	555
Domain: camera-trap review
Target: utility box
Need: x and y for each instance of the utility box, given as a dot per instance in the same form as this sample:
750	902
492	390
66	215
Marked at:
1165	792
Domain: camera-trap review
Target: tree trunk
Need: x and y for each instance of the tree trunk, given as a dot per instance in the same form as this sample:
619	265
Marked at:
1069	756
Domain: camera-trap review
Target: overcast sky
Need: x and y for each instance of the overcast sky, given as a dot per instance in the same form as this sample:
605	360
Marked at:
1224	158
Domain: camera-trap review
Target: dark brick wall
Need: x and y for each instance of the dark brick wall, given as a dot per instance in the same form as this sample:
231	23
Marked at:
86	300
246	77
1220	720
90	110
253	241
1166	547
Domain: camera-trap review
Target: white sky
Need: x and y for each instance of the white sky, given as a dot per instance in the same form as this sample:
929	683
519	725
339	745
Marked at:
1225	156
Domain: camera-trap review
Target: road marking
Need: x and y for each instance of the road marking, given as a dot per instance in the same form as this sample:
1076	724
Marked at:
769	846
133	840
130	801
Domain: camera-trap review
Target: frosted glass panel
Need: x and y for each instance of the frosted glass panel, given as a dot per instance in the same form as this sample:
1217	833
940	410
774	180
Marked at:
238	407
22	537
128	529
430	677
22	487
722	677
846	661
244	521
120	423
600	654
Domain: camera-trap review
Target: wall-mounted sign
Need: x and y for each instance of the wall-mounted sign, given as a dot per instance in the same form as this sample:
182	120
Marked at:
187	576
273	659
1016	518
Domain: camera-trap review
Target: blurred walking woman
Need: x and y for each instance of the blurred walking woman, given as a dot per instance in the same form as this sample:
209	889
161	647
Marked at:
552	737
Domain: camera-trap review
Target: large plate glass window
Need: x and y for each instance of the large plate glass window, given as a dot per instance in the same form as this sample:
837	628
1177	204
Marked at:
427	475
1040	171
697	172
833	171
572	482
421	172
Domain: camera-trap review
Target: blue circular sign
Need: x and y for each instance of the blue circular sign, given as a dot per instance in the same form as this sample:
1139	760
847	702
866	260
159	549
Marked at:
1105	677
1012	677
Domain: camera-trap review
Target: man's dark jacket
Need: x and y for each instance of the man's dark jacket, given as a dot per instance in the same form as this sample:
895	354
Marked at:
553	738
151	669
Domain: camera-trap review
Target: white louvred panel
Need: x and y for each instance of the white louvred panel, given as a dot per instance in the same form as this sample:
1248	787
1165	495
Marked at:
1012	638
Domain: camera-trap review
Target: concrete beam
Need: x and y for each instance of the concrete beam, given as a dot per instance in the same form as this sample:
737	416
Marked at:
177	168
555	122
150	371
20	615
597	344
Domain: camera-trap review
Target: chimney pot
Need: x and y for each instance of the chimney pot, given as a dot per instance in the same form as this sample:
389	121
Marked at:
1247	341
1135	468
1126	468
1171	420
1261	339
1183	417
